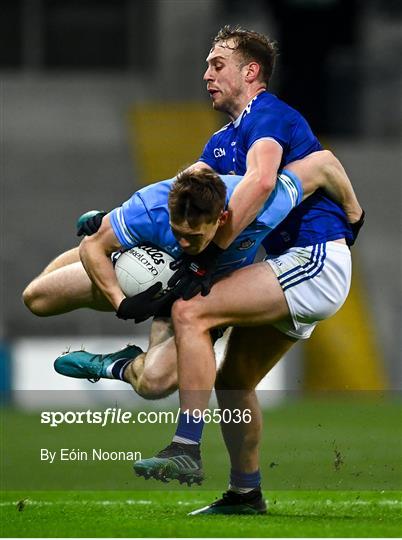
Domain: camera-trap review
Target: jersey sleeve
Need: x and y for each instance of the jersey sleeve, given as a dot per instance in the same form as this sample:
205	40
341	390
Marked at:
131	222
288	193
207	155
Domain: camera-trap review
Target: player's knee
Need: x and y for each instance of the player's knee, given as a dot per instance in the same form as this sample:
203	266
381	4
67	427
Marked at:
233	379
225	381
183	313
220	382
187	313
35	301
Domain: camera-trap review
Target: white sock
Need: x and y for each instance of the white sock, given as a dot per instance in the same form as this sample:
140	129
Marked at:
240	490
183	440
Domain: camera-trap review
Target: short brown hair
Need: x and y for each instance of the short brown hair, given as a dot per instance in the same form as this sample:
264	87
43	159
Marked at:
197	196
252	46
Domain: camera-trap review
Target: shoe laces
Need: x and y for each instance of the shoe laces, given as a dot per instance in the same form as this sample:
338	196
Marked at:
99	358
177	449
232	496
173	448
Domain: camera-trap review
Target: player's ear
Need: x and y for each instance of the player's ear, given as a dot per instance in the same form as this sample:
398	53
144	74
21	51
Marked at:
223	217
252	71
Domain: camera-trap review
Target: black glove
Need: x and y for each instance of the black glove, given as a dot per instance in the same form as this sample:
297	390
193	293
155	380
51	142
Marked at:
144	305
89	223
194	273
356	228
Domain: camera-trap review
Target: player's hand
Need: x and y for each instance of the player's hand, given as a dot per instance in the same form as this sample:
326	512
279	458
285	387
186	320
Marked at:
89	223
144	305
356	228
194	273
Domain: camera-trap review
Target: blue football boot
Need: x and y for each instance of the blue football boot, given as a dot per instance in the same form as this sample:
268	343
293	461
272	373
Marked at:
177	461
85	365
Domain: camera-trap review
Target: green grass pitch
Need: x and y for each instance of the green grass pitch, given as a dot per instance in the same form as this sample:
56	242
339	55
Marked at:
331	468
153	514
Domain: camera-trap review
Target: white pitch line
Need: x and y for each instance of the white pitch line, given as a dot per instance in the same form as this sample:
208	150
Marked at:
54	503
386	502
190	503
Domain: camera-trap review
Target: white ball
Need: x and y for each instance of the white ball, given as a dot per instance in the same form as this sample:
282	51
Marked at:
141	267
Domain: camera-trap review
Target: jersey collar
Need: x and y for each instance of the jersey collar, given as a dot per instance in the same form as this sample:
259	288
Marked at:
246	109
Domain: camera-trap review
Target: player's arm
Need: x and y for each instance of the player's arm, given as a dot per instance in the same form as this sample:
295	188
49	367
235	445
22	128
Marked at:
263	161
95	251
199	165
323	170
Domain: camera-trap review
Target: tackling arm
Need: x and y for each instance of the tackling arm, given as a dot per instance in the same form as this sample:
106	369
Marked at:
263	161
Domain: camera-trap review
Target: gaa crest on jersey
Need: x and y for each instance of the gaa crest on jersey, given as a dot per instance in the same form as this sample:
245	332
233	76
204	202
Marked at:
246	244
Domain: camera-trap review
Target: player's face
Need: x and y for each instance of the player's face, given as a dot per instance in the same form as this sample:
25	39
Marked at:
225	79
193	240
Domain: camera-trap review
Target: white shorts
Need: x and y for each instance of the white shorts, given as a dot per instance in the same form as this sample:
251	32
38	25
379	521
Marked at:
315	280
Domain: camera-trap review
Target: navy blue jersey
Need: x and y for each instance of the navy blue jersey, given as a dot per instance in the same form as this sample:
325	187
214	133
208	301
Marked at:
318	219
144	218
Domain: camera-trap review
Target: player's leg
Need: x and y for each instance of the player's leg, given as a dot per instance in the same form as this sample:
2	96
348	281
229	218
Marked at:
249	296
153	374
314	292
63	288
68	257
323	170
291	292
250	354
31	293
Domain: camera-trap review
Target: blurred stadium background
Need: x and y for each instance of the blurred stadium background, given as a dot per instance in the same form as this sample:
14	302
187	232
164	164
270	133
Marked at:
101	97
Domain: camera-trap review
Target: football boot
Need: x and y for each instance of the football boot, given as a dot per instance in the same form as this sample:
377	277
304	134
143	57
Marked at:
235	503
177	461
85	365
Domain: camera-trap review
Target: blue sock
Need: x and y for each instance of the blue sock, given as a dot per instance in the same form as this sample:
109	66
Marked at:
119	367
189	430
244	482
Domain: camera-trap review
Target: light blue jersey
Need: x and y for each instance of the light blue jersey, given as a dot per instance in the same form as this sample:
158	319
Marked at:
144	218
